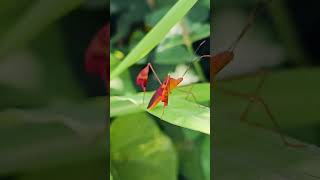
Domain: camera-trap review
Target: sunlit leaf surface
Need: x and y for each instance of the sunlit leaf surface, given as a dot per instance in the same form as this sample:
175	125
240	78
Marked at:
180	112
140	151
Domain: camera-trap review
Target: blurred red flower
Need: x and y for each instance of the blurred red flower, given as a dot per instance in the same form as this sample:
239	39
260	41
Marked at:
97	59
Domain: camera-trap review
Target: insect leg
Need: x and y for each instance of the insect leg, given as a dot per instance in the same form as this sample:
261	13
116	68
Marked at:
162	111
188	92
154	73
244	114
144	95
258	99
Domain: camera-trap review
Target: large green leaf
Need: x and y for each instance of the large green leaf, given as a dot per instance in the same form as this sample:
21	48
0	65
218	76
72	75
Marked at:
197	31
155	35
175	55
140	151
189	151
254	153
180	112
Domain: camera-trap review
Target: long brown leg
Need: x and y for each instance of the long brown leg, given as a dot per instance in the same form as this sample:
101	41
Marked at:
244	114
154	73
255	98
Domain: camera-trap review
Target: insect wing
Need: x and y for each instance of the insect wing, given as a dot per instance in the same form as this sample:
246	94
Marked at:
142	78
156	98
165	91
173	83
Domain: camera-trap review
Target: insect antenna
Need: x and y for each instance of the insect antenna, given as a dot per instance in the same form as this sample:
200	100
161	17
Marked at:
257	8
196	59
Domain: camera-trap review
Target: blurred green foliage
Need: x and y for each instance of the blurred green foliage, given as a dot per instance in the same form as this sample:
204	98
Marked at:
50	127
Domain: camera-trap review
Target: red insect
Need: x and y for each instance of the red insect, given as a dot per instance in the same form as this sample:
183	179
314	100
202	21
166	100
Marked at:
142	78
169	83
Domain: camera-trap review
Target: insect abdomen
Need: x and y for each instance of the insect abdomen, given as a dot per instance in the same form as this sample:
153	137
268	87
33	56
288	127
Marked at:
219	61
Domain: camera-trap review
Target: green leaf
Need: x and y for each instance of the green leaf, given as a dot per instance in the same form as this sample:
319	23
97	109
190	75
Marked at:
205	3
190	163
205	157
200	12
140	151
253	153
175	55
124	10
185	114
152	18
180	112
135	38
113	61
197	32
122	106
155	35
